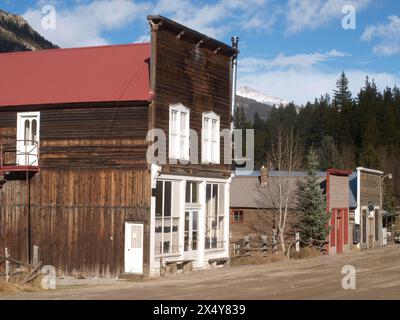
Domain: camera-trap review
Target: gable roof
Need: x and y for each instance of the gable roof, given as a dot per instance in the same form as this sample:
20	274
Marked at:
78	75
246	190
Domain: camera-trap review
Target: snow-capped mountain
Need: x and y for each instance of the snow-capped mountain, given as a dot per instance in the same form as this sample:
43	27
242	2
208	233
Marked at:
260	97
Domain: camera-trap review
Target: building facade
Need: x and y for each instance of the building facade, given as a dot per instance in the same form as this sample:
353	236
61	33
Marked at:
75	174
366	185
337	200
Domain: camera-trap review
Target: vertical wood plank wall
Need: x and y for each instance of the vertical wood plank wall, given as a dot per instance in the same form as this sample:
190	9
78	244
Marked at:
93	178
196	77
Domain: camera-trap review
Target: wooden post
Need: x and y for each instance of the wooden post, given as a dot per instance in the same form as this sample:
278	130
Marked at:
274	241
7	254
297	242
35	255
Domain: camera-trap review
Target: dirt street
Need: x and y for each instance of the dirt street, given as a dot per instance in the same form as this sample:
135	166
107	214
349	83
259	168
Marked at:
378	277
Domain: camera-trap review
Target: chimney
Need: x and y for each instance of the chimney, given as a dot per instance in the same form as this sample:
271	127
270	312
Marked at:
235	42
264	176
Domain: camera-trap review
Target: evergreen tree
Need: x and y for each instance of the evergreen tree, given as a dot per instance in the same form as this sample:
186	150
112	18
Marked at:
314	219
329	155
239	118
369	158
342	94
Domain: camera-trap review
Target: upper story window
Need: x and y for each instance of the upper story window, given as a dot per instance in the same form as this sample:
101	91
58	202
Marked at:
28	136
179	132
210	145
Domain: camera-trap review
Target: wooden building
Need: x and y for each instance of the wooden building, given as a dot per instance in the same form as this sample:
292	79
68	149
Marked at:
74	176
253	212
366	212
337	203
254	203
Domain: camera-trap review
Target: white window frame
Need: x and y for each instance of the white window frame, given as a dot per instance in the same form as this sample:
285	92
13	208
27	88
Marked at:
178	137
210	140
27	147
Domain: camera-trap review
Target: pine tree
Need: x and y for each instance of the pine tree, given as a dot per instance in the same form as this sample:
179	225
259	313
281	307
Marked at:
342	94
314	219
329	155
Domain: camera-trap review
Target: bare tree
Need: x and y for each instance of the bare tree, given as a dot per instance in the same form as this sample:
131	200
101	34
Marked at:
279	192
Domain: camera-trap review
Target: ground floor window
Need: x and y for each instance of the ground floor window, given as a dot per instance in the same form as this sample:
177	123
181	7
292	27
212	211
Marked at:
167	218
237	216
214	222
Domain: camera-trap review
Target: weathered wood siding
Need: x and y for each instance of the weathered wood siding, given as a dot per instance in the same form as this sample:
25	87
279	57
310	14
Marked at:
338	191
196	77
370	189
259	222
93	178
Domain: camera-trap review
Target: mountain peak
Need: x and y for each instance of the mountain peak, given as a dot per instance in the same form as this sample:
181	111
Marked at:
258	96
17	35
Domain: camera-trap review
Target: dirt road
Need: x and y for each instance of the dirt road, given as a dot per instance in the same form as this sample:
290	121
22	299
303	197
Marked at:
377	277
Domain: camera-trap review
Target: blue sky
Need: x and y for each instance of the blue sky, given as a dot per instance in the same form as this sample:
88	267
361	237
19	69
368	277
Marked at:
292	49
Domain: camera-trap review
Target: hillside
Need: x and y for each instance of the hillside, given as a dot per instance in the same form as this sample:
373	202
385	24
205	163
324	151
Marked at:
253	101
251	107
17	35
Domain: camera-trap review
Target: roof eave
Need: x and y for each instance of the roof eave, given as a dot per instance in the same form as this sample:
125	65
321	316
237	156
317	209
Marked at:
207	41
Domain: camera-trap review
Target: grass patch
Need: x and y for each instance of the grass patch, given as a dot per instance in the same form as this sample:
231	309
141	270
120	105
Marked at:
306	253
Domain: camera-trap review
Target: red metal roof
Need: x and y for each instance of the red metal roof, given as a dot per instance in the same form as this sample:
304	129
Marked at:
92	74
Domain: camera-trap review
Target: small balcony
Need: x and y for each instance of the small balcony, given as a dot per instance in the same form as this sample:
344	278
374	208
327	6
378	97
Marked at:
19	160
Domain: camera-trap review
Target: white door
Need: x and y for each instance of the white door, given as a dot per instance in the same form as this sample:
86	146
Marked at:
133	247
28	132
191	238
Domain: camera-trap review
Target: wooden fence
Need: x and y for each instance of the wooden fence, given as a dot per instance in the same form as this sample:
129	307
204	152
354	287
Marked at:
265	246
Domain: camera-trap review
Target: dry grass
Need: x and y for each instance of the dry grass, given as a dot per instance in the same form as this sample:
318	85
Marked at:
306	253
257	258
17	287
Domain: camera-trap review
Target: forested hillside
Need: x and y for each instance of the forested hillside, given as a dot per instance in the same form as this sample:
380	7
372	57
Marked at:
347	131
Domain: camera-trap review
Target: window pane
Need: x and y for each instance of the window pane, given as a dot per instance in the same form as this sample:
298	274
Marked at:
195	192
186	244
159	198
158	236
183	123
167	199
175	235
214	130
206	128
215	199
194	240
34	132
195	220
208	192
174	122
27	126
187	192
220	232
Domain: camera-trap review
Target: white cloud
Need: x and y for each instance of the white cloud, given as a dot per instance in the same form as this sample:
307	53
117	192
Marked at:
281	61
388	36
211	19
84	24
80	24
301	15
304	77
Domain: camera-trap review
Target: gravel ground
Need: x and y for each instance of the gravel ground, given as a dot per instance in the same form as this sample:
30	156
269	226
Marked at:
377	277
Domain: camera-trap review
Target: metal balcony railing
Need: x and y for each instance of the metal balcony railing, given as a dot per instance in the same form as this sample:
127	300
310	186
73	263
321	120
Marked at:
19	153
